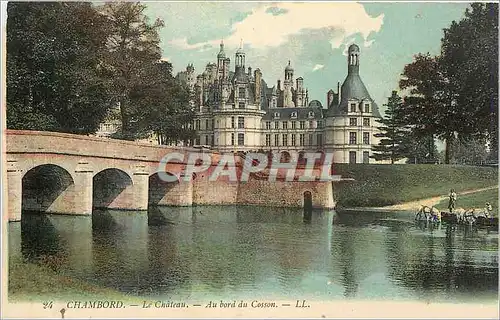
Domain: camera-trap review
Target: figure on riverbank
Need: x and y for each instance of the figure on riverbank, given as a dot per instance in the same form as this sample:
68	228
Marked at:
453	200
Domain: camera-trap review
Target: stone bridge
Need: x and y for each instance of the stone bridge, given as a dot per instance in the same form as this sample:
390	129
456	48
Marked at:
73	174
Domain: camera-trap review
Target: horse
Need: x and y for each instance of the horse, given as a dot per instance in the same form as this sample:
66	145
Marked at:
425	213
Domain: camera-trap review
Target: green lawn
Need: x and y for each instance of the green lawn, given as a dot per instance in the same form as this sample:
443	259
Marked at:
381	185
30	282
474	200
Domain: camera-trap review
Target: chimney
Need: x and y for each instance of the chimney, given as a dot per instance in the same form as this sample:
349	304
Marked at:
329	98
338	93
258	82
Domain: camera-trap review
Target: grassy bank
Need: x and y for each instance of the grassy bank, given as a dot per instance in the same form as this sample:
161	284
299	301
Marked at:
29	282
383	185
474	200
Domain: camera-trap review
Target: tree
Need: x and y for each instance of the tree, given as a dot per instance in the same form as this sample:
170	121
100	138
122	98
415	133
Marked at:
133	55
456	93
54	77
421	149
429	108
393	132
470	151
470	60
163	106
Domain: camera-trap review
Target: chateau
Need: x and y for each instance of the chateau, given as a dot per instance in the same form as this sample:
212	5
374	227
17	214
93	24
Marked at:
238	111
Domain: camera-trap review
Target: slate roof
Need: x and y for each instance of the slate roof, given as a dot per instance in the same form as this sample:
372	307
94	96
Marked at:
352	88
286	113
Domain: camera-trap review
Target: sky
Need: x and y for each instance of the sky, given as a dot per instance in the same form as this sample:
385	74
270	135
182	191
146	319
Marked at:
312	36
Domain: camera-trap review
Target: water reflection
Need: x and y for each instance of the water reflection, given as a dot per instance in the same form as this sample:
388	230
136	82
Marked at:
242	251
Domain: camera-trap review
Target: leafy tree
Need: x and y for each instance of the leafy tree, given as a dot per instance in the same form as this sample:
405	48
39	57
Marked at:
133	55
163	106
393	132
470	60
421	149
456	93
470	151
429	108
54	77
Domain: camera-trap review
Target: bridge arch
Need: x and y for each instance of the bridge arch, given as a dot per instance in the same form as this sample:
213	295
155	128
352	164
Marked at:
170	193
43	188
159	188
109	186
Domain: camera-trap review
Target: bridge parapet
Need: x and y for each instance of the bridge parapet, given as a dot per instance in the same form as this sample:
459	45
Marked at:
84	172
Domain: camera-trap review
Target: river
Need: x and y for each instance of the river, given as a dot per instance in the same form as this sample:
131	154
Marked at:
240	252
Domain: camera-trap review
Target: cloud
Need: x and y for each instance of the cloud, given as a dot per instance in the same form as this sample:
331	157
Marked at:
318	67
272	25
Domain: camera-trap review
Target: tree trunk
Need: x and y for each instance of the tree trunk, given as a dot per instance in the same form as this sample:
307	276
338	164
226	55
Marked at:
124	119
448	148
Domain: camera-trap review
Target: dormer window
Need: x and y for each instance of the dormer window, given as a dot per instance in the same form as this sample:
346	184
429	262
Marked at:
353	107
294	115
276	115
311	114
367	107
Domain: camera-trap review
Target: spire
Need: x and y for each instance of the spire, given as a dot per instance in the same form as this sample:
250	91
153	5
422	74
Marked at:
221	54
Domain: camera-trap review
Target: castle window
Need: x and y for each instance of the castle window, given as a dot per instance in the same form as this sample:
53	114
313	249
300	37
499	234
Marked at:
206	124
276	139
353	121
285	125
276	114
241	105
212	141
353	107
310	139
294	115
285	140
320	139
294	125
276	125
302	124
311	114
232	122
366	122
241	92
241	122
268	125
241	139
268	140
293	140
366	138
213	123
352	137
198	122
301	139
320	124
366	157
312	124
232	139
197	141
367	107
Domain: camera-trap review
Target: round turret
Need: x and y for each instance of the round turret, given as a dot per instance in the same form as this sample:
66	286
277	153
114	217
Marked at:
353	48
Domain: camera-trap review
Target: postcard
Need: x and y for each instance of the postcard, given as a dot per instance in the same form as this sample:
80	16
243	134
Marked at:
250	160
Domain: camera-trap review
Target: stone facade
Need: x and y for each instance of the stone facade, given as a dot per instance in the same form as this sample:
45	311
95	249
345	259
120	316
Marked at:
238	111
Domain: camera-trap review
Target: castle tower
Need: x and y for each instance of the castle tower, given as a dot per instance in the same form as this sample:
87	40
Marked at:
353	59
287	87
221	57
240	61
